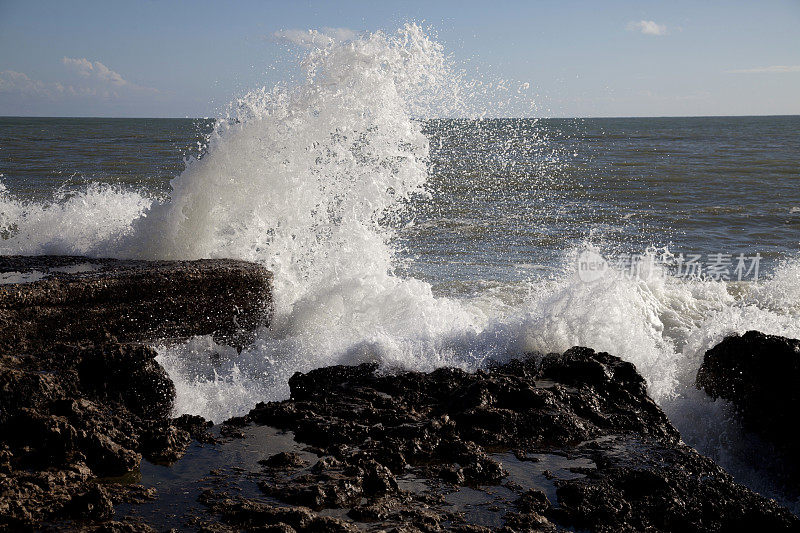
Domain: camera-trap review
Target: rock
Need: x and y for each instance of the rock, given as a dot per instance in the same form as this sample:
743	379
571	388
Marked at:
129	375
377	479
80	398
69	413
82	298
760	375
94	504
250	514
112	526
550	442
572	440
283	460
644	486
451	413
196	426
163	443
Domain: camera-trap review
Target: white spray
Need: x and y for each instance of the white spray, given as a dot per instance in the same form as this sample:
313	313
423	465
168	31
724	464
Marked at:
309	182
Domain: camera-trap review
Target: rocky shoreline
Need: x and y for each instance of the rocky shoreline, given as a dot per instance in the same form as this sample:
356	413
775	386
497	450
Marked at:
82	399
549	442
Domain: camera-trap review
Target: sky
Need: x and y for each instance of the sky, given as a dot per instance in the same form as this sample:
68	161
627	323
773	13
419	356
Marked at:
581	58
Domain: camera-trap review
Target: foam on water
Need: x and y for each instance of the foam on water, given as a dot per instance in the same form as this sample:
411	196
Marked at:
310	181
307	181
89	222
664	325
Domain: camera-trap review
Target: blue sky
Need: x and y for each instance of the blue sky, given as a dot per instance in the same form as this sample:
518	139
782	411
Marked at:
614	58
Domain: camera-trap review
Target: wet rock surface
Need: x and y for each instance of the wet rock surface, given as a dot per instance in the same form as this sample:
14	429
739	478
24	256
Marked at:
82	402
760	375
72	415
548	443
49	299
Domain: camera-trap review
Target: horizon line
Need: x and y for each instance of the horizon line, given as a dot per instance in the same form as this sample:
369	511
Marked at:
589	117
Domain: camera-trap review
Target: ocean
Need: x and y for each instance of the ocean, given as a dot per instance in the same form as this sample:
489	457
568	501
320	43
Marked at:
508	195
417	241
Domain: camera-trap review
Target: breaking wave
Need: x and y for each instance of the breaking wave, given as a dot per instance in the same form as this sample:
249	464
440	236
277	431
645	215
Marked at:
312	182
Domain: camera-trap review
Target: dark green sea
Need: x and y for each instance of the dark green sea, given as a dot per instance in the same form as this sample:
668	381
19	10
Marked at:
418	244
508	195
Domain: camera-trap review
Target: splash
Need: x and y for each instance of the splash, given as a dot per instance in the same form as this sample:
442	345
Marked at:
313	181
664	325
310	182
88	222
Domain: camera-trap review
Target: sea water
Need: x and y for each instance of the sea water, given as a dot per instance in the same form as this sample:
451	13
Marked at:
405	224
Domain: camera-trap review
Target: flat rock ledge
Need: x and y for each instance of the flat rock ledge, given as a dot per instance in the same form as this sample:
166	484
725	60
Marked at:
50	299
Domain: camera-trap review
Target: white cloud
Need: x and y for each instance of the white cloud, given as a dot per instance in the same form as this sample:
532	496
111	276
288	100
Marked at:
98	72
340	34
18	82
83	66
647	27
774	69
314	38
94	80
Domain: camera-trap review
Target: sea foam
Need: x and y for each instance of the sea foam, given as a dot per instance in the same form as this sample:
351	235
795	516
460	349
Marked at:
310	182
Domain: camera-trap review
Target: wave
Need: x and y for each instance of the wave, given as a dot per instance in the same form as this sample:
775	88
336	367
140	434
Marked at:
310	182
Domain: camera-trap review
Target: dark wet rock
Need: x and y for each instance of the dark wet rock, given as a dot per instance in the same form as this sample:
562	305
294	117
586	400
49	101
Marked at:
639	485
63	425
533	501
452	415
27	496
112	526
82	298
81	401
336	487
232	432
196	426
283	460
130	492
760	375
552	442
162	442
127	374
548	443
94	504
251	514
